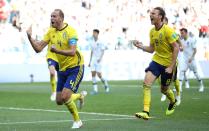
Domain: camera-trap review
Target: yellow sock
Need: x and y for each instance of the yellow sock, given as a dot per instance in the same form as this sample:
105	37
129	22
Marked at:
75	96
170	95
73	109
147	97
177	86
53	83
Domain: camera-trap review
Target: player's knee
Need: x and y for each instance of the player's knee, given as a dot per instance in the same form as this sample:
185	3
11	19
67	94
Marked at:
65	97
146	86
163	90
52	73
99	75
59	102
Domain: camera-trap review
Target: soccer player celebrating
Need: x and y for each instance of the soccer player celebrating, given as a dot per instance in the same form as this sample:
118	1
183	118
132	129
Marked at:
163	43
97	52
188	61
63	40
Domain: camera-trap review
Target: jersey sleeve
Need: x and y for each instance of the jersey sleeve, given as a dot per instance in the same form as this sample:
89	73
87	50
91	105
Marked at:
73	34
171	35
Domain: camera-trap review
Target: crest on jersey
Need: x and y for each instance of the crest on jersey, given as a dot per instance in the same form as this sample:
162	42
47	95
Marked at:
64	35
174	36
160	36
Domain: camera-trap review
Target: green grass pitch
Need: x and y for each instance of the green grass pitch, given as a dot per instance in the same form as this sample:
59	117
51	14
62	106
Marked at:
27	107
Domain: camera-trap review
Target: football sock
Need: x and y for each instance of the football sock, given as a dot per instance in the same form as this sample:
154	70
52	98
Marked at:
170	95
95	84
73	109
177	86
147	97
53	83
104	81
75	96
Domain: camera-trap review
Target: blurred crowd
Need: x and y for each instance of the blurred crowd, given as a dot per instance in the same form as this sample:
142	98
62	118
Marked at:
118	20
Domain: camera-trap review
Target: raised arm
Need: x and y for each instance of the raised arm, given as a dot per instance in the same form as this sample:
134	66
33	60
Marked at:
37	45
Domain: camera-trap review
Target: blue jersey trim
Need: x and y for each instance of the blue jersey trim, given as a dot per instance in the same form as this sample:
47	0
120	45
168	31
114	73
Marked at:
72	41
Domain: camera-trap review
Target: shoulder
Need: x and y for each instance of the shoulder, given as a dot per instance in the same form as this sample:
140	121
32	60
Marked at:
70	28
51	30
152	29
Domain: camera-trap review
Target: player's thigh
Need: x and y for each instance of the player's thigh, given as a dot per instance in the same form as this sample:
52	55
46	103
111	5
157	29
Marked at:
152	72
61	81
193	66
52	70
98	67
149	78
99	74
52	65
93	73
74	78
183	66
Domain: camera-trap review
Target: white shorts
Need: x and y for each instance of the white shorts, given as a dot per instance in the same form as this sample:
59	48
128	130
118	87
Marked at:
185	65
95	66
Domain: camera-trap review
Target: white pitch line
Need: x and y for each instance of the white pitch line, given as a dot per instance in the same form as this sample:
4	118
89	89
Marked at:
61	111
61	121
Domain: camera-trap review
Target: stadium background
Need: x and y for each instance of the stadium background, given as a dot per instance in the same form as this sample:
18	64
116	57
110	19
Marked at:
118	21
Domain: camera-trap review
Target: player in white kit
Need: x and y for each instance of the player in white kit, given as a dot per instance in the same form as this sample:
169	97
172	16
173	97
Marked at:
188	58
97	52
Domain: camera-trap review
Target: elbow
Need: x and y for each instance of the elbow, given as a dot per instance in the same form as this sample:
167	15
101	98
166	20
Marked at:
152	51
73	53
38	50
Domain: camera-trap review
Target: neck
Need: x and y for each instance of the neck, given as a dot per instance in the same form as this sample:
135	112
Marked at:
95	38
158	25
185	38
61	26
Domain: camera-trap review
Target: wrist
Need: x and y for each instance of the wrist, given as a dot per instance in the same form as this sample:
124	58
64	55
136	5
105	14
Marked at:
142	48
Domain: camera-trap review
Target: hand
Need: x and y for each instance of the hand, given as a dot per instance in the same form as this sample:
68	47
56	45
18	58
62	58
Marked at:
53	49
190	60
137	44
169	70
181	48
98	61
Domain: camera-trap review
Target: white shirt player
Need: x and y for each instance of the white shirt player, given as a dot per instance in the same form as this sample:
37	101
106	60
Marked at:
97	48
189	46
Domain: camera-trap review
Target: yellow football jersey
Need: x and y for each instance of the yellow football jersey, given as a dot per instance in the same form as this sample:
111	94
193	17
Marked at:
61	39
50	54
161	41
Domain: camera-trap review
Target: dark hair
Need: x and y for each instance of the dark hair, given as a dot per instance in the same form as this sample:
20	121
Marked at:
166	19
162	12
184	29
96	30
61	14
